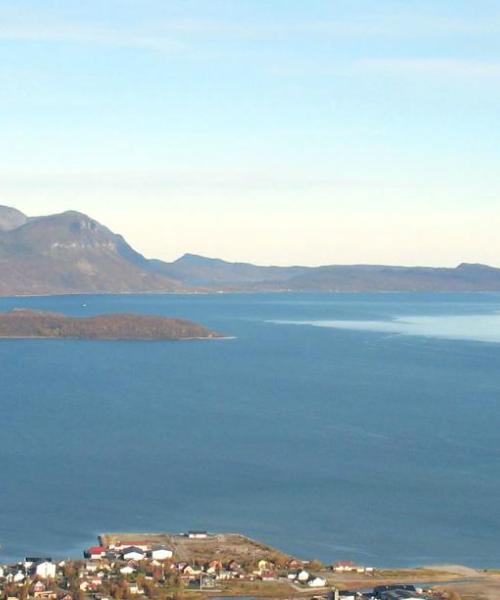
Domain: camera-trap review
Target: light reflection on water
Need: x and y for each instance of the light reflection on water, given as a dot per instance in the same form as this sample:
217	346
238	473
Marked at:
480	328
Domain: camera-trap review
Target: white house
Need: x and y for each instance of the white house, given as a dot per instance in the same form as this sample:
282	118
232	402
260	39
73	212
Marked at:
317	582
133	553
2	573
303	576
161	553
197	535
344	566
45	569
127	570
18	577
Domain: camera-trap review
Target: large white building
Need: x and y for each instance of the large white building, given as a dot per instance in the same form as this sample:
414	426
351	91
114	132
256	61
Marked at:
45	569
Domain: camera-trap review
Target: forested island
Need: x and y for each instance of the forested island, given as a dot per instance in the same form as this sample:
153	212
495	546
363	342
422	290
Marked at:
25	323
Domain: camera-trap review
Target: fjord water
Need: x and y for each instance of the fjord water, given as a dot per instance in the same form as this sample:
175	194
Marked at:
333	442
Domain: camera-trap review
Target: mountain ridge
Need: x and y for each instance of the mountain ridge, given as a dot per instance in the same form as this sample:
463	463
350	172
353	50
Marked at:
71	253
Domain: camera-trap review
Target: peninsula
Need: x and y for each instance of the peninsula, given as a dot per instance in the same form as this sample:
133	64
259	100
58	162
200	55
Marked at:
24	323
201	565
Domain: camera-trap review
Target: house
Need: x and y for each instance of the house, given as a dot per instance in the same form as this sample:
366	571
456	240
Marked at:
190	572
303	576
45	570
401	595
95	552
17	577
197	535
344	566
317	582
39	586
214	566
263	565
161	553
133	553
2	572
233	566
127	570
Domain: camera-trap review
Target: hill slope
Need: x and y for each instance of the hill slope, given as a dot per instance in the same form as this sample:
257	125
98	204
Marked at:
199	270
219	274
71	253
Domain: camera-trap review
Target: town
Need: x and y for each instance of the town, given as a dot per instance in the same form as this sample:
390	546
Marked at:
193	565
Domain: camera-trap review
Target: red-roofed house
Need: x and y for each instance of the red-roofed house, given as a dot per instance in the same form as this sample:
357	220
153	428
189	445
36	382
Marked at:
95	552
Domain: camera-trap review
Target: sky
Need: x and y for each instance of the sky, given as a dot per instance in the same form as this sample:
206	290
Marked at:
271	131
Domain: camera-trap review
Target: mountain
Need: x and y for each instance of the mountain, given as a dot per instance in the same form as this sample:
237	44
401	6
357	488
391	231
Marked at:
368	278
11	218
70	253
198	270
215	273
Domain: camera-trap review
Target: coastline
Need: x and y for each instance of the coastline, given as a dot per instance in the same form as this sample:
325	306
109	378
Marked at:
232	565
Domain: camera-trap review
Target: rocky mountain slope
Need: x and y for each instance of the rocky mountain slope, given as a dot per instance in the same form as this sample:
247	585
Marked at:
70	253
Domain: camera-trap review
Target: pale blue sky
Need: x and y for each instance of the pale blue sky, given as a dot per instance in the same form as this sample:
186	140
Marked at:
276	131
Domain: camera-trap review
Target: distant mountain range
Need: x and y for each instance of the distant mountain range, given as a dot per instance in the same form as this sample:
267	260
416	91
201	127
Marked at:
72	253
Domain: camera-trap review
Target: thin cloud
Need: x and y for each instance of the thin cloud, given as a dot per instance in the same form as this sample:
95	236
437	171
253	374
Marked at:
431	66
192	179
164	35
76	33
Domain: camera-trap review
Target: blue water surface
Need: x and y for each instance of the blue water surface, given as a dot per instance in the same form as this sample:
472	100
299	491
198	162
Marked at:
332	443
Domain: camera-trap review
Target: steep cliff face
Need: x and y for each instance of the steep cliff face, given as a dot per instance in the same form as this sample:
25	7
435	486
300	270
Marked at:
71	253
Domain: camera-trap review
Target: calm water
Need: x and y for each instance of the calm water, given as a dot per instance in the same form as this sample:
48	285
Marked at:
345	441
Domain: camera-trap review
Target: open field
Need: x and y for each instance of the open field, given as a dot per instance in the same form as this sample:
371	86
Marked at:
487	588
261	589
219	546
461	583
421	575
